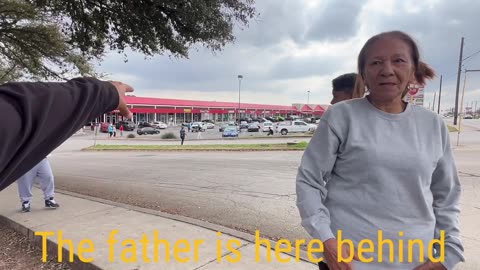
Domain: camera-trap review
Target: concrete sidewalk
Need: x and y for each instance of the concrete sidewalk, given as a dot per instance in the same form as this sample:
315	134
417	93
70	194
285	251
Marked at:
80	219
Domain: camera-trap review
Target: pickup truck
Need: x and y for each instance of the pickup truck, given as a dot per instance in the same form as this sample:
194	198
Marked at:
296	126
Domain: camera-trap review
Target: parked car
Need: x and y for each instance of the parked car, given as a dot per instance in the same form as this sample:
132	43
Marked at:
229	124
127	125
208	125
243	124
297	126
147	130
159	125
198	127
104	127
230	131
143	124
253	127
267	125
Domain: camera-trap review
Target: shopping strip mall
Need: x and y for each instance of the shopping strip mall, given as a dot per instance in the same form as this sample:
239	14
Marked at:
177	111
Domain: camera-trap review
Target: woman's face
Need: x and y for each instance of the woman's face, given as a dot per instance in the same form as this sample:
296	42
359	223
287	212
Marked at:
388	69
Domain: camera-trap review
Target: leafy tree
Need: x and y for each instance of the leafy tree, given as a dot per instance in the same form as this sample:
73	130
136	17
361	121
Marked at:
53	38
31	45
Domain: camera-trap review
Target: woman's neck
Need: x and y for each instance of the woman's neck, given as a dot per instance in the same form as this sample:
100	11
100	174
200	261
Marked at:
395	106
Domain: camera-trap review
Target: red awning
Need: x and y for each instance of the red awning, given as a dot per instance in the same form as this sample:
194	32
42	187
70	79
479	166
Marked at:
318	108
306	108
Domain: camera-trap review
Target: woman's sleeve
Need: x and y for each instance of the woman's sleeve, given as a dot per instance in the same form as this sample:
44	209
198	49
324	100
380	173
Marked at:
446	191
316	164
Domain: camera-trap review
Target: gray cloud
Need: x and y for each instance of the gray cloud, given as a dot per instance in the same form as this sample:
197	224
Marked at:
260	52
337	20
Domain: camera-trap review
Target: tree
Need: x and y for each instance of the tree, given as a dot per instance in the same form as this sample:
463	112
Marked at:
32	46
68	34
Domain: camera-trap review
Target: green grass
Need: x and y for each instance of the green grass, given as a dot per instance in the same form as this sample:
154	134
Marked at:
452	128
207	147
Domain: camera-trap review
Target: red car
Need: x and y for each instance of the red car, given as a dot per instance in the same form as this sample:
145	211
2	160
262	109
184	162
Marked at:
104	127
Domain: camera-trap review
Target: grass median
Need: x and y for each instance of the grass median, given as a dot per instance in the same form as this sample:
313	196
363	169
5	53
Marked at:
300	146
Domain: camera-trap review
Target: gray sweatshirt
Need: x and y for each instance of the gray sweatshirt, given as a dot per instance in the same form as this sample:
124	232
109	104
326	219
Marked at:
366	171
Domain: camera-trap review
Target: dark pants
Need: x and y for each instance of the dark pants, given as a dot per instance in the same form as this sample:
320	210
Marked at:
323	266
183	138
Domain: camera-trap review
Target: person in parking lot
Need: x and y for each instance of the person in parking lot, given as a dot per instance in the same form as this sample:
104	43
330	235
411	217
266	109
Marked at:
40	116
121	128
342	87
182	134
377	164
42	172
110	130
270	131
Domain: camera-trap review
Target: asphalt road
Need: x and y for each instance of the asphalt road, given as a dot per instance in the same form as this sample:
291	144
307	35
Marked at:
241	190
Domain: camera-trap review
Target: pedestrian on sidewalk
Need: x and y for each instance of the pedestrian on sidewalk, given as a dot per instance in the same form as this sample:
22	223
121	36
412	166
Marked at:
387	167
182	134
42	172
114	129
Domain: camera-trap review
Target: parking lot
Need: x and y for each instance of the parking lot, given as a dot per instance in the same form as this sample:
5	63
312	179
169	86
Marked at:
212	133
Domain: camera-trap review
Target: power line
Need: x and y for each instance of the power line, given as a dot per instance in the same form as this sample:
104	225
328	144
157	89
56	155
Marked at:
473	54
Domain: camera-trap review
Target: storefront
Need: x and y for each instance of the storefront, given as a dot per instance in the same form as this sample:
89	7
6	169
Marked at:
176	111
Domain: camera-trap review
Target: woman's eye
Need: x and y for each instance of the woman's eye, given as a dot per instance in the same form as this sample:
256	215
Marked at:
399	60
374	63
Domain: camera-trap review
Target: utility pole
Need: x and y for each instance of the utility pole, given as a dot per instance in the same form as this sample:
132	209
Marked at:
308	97
240	77
455	116
434	99
463	94
439	95
475	111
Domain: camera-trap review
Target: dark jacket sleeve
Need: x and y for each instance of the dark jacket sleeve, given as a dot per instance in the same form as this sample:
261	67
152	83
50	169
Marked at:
38	117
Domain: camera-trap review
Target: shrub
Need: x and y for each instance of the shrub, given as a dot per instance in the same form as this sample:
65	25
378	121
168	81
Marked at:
131	136
169	135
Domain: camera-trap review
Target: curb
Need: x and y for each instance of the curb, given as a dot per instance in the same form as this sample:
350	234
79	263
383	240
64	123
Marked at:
195	222
52	247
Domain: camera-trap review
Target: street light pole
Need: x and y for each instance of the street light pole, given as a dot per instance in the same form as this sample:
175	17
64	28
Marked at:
240	77
308	97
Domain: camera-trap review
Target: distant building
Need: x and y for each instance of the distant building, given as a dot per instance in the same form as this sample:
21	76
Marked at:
147	109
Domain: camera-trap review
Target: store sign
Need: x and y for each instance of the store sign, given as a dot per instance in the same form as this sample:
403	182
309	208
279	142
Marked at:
187	110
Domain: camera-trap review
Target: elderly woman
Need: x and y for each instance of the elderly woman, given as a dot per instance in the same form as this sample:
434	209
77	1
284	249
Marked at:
381	171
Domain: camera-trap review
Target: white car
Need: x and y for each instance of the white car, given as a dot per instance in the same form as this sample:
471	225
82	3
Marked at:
267	125
297	126
159	125
209	125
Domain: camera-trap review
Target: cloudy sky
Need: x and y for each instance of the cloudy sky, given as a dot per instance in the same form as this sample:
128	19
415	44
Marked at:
297	46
